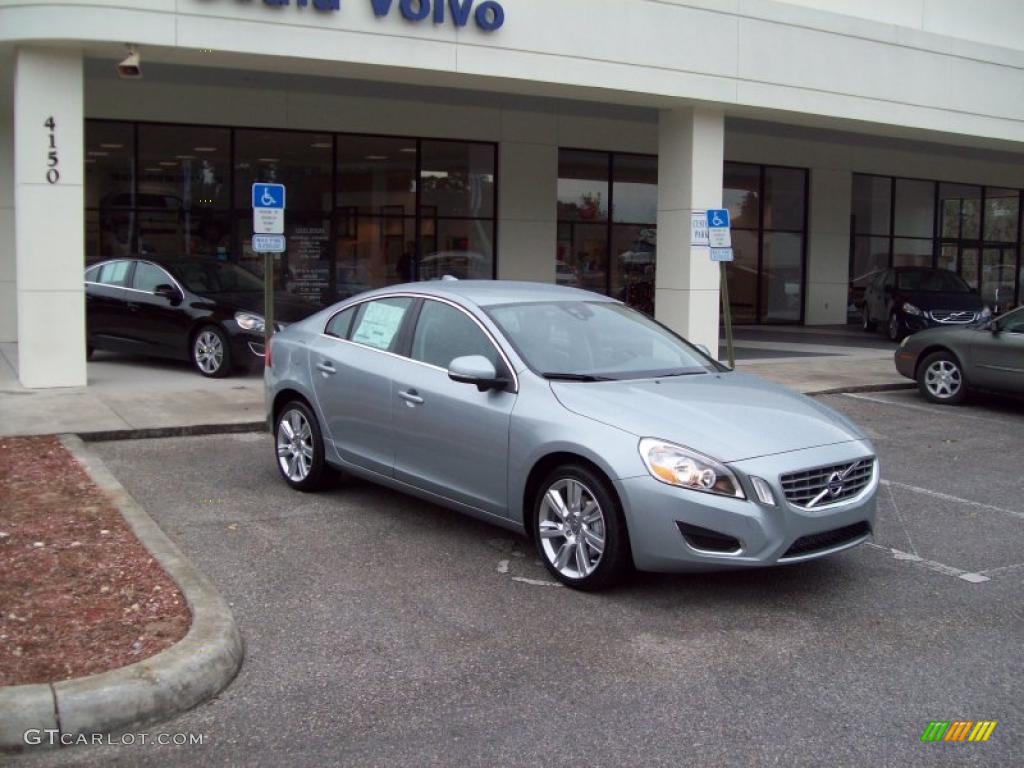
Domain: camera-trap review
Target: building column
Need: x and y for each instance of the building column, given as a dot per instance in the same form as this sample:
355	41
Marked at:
527	197
8	285
828	246
691	157
49	218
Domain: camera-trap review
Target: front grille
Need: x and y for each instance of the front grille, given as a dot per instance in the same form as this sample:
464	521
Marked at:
950	316
824	486
819	542
708	540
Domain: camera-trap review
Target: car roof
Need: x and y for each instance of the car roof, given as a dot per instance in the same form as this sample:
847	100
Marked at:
489	293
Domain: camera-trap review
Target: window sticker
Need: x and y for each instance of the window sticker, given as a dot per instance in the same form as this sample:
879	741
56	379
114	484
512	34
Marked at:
379	324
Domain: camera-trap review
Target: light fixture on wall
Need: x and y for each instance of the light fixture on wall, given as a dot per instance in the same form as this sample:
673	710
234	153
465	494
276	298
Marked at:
130	67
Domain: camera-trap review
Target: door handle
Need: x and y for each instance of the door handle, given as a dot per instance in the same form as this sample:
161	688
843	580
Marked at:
326	368
411	397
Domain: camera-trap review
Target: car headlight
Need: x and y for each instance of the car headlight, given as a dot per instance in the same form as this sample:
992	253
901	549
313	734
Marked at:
250	322
674	465
910	309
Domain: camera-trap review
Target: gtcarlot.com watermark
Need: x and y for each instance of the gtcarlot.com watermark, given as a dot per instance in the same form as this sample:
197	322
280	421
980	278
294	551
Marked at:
54	738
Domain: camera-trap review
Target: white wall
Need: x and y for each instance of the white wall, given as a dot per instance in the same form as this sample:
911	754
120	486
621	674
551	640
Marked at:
747	55
8	284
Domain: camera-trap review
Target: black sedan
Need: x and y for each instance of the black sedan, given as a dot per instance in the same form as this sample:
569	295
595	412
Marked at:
948	362
204	311
910	299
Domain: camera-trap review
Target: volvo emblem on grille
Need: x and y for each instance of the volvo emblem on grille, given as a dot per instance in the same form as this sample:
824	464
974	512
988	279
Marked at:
836	484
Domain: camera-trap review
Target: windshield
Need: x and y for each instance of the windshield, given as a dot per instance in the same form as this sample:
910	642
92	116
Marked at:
595	340
931	281
204	277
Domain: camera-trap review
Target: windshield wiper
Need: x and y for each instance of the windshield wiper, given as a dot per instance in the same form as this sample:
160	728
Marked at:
575	377
679	373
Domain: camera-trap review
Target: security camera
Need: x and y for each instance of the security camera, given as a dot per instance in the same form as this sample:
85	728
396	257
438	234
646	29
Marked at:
131	67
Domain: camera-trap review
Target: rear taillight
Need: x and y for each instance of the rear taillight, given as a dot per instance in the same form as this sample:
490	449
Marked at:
267	361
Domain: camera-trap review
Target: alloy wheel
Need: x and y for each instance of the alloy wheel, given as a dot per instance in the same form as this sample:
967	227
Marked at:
572	528
943	379
894	327
295	446
209	352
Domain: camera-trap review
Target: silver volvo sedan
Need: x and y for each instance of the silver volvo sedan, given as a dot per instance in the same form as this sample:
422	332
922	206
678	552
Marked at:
566	416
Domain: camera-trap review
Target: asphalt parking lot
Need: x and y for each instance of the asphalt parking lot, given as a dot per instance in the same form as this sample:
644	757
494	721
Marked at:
384	631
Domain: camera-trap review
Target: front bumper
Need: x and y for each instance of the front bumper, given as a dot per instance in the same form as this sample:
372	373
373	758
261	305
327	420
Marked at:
247	350
765	535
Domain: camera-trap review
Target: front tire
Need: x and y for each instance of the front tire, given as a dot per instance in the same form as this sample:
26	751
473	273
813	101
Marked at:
579	529
211	353
940	378
300	448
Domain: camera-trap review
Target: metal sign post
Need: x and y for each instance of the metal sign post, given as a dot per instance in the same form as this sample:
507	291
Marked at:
268	205
720	242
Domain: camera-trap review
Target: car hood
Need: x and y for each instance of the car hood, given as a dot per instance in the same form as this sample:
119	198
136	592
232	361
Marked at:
929	300
287	308
728	416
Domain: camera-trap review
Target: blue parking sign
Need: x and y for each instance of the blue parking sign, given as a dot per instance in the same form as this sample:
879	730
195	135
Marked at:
268	196
718	218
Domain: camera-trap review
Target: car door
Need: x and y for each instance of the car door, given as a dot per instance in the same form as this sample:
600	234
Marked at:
450	438
107	321
160	322
998	357
351	366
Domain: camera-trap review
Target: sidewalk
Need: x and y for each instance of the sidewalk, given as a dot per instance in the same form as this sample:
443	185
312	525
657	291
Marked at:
131	395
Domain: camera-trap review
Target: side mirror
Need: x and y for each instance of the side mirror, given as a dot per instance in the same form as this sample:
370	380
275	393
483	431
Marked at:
478	370
167	291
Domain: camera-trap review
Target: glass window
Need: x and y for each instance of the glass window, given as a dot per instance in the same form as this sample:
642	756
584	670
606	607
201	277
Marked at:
742	275
378	322
782	277
341	323
184	233
930	281
92	274
372	253
1013	323
308	258
148	276
949	258
184	168
915	208
462	248
582	186
444	333
907	252
960	207
115	273
301	161
582	257
109	164
1002	211
634	263
784	196
969	267
872	200
998	278
635	189
377	175
741	194
457	178
108	233
600	339
205	277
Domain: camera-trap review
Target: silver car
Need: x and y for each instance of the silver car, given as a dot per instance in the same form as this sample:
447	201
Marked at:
568	417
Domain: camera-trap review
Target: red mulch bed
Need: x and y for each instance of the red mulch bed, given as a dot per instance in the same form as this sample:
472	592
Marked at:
79	594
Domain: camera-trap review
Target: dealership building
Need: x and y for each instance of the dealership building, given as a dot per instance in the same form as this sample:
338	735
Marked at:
544	140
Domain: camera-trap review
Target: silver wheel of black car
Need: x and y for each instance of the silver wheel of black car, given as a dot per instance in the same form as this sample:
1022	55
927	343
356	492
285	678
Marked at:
210	352
894	329
579	529
300	448
941	380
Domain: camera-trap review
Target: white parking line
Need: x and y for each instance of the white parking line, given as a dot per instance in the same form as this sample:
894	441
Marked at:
932	565
941	410
954	499
1003	568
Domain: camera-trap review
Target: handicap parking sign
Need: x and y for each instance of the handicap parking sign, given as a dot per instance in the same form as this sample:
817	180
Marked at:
268	196
719	235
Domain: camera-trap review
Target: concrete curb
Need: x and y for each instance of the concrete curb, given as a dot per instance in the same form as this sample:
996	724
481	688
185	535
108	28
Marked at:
192	430
863	388
177	679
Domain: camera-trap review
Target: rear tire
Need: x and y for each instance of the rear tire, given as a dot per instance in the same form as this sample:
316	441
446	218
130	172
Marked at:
579	529
299	448
940	379
894	328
